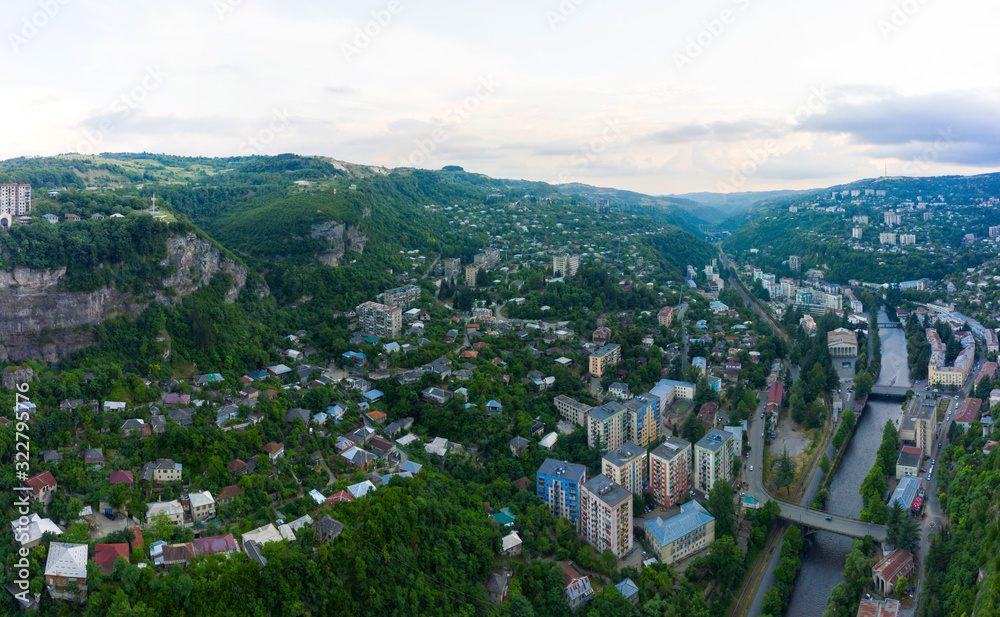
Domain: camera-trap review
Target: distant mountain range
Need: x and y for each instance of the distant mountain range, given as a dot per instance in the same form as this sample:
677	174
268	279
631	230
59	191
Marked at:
699	210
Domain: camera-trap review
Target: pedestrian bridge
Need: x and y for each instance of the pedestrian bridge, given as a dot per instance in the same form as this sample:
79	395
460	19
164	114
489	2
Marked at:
890	324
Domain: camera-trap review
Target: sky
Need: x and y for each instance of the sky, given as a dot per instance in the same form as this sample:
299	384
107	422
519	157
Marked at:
661	97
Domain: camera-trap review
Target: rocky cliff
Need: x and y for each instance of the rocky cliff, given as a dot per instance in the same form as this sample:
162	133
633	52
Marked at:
40	320
341	238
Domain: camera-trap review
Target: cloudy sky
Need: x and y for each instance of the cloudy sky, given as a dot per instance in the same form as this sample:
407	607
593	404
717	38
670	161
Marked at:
654	96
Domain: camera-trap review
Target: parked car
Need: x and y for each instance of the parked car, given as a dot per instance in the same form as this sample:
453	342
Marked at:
110	517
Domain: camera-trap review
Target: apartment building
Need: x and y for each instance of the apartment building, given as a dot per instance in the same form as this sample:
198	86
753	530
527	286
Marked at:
606	516
565	264
938	372
643	418
573	410
627	467
713	459
452	268
918	427
607	427
15	199
380	319
604	358
670	471
402	297
471	272
665	317
794	263
558	483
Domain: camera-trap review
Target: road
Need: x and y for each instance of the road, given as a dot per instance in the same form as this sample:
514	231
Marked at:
681	308
816	519
750	300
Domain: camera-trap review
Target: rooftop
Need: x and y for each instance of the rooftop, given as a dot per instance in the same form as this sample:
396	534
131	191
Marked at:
572	471
909	457
606	410
692	516
714	440
606	490
628	452
670	448
906	491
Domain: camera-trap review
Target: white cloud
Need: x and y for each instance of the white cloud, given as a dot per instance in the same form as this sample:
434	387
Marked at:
560	84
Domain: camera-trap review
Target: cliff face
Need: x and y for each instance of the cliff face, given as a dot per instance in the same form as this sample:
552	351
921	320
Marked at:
341	238
196	261
40	321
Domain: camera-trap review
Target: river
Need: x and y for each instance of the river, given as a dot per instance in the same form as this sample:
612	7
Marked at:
823	564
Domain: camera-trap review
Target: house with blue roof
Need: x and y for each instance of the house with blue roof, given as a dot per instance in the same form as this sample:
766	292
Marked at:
411	467
494	406
354	357
373	396
680	536
629	590
505	517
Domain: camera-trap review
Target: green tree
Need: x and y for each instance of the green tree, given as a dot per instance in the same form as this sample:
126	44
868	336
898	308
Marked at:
720	504
692	429
784	472
902	530
824	464
902	586
725	560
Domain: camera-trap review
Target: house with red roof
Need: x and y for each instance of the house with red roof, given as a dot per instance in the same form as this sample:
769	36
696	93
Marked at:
334	499
774	396
215	545
228	493
43	486
137	539
106	555
968	413
121	477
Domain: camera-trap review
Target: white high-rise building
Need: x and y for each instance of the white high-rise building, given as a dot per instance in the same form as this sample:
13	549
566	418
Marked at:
15	199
